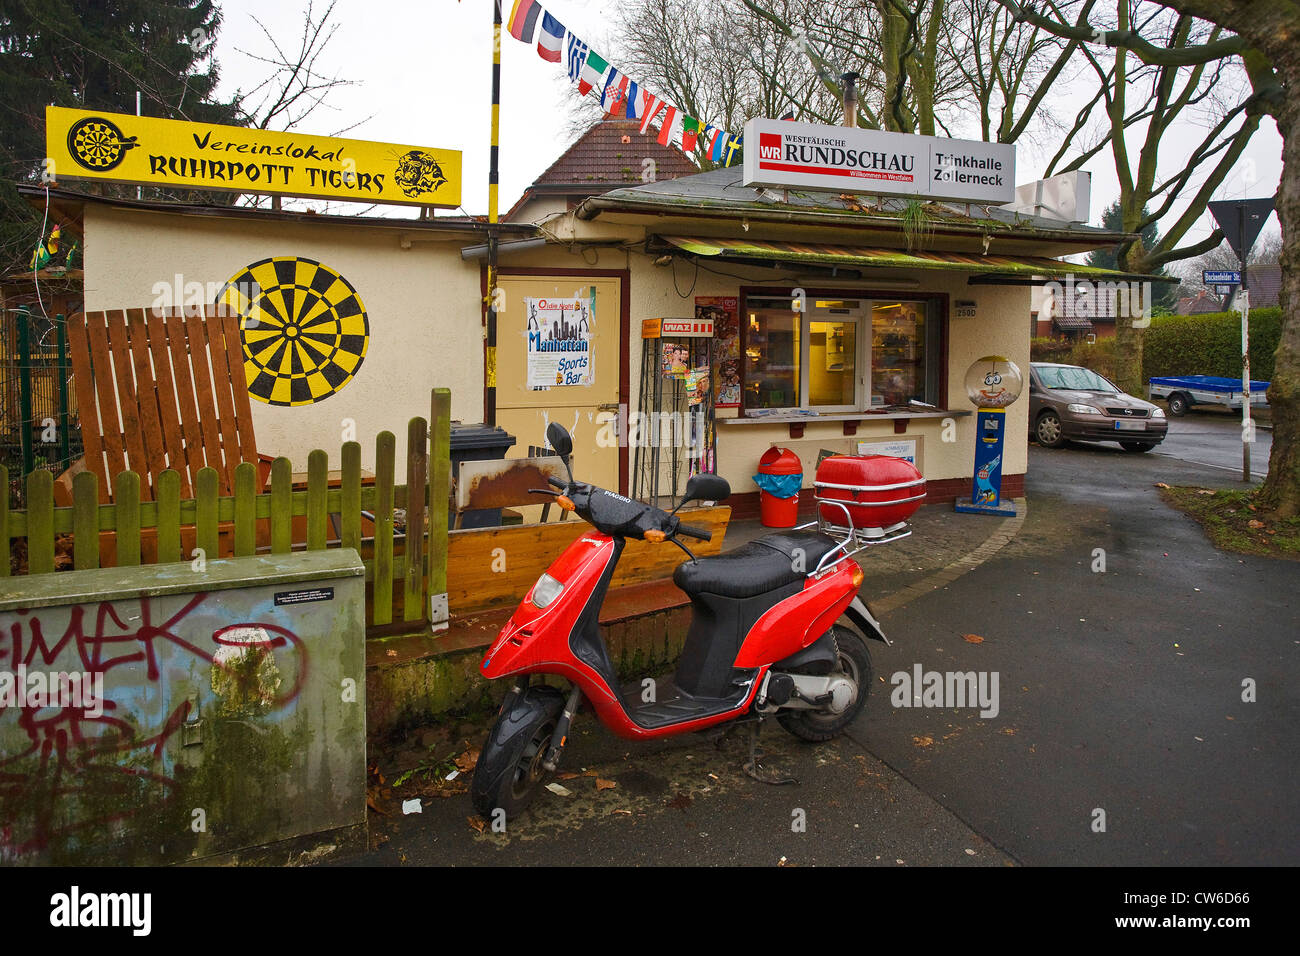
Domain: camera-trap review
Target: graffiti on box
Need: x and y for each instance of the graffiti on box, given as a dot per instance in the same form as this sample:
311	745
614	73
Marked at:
98	702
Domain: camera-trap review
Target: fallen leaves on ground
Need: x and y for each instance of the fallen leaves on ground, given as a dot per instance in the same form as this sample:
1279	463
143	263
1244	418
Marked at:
468	760
925	741
477	823
372	801
680	802
972	639
602	784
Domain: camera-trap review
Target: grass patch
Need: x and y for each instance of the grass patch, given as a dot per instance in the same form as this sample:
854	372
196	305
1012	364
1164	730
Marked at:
1232	523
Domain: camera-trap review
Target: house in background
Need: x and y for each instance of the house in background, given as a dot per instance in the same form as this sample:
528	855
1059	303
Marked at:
1086	315
1264	282
610	155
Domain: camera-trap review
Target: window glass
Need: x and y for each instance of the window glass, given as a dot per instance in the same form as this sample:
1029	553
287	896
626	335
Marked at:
771	354
832	363
898	347
1073	377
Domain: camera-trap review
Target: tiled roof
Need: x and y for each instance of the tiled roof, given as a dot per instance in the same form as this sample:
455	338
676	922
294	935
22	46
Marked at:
601	160
1072	323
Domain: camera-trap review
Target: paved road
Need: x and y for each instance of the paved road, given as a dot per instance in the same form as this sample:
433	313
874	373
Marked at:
1119	691
1210	438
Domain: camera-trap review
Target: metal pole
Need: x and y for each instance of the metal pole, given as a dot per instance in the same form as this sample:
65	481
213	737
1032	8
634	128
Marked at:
490	333
25	422
1247	429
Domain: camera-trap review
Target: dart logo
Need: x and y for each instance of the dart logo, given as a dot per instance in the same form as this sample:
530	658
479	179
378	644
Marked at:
97	144
418	172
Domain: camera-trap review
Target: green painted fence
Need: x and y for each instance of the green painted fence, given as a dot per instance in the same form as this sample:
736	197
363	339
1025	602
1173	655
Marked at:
333	517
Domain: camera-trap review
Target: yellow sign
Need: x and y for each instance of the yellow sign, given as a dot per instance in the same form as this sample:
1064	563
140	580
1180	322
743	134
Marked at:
88	144
650	328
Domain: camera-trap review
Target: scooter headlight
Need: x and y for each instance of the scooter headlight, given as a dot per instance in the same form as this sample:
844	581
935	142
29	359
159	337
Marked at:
546	590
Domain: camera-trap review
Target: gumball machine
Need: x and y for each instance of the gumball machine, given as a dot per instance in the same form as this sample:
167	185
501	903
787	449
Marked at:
992	383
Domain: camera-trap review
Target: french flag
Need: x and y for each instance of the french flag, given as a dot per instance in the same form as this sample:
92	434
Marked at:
551	40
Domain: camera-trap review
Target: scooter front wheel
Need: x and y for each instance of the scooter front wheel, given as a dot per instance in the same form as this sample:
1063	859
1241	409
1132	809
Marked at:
855	664
510	771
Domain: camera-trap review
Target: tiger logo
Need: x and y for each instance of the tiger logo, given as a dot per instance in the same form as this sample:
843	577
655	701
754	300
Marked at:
418	172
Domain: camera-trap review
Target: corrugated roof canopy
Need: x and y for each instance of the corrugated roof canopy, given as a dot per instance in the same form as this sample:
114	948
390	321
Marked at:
985	270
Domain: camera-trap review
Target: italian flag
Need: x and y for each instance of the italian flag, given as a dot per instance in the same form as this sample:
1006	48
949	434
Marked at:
592	70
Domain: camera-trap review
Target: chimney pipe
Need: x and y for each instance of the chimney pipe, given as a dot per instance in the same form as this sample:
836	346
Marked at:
849	81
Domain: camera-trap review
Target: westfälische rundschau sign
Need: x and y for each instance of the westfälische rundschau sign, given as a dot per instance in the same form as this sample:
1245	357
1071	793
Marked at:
91	144
851	160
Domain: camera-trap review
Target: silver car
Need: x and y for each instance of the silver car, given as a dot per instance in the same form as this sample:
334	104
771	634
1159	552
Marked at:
1067	402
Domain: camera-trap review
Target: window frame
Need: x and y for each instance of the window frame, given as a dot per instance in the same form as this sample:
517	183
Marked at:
936	345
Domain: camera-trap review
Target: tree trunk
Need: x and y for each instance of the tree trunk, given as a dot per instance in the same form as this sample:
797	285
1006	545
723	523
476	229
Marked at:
1280	496
1128	340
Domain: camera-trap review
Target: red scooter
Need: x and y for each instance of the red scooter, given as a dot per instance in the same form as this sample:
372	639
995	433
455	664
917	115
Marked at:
763	640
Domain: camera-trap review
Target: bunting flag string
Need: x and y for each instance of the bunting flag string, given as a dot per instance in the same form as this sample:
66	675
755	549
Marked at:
619	94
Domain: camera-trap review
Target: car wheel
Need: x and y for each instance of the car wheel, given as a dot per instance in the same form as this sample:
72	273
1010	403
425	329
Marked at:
1137	446
1179	404
1048	430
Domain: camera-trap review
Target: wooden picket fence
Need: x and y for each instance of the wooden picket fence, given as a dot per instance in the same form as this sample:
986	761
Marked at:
169	528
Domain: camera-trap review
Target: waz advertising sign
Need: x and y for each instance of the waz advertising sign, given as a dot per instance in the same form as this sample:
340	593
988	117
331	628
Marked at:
845	159
91	144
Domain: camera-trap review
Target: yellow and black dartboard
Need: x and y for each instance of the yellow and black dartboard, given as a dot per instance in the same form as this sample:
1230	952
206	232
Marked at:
304	329
98	144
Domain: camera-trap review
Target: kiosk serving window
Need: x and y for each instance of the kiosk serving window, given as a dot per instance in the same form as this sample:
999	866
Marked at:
839	354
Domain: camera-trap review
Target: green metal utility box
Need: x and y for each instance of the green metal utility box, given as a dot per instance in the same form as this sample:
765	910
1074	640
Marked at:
170	713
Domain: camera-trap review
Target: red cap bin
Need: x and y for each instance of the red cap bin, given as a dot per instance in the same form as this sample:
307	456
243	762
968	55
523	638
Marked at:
775	510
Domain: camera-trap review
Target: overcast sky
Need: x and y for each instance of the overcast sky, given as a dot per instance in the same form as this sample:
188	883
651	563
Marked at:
423	74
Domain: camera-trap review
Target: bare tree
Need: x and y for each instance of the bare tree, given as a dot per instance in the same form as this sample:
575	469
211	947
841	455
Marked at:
1262	41
297	84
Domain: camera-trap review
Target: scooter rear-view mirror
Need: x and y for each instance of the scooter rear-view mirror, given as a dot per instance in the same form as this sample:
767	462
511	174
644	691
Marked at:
705	487
558	438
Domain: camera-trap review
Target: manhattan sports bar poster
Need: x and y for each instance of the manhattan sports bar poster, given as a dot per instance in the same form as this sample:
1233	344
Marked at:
91	144
559	341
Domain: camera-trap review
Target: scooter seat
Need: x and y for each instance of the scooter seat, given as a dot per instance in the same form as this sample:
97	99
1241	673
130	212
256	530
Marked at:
765	564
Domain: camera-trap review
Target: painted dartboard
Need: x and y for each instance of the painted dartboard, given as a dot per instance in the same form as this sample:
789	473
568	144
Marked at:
98	144
304	329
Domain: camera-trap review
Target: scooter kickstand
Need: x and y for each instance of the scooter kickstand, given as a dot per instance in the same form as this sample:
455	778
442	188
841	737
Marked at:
753	769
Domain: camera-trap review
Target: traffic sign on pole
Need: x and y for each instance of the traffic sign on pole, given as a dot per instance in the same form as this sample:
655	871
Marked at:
1241	221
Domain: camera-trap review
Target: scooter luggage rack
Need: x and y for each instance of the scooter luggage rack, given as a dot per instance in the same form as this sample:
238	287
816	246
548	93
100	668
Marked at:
861	537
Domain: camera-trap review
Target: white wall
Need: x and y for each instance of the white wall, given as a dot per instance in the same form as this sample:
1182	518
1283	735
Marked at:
423	307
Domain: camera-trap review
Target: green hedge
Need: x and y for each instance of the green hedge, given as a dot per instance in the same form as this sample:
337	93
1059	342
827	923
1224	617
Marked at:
1210	344
1181	345
1100	357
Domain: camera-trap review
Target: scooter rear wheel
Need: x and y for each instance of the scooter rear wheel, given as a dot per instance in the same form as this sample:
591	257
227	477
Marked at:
509	771
854	663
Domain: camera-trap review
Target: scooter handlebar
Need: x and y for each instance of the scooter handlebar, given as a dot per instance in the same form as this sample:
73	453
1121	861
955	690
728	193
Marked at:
703	534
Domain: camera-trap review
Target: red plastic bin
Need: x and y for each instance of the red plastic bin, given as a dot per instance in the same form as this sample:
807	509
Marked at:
777	512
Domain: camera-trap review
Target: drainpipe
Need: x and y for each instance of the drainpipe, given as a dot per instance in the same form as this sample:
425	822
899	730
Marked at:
849	81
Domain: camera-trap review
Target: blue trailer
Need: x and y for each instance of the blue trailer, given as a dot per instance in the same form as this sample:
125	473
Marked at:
1185	391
